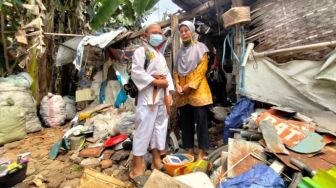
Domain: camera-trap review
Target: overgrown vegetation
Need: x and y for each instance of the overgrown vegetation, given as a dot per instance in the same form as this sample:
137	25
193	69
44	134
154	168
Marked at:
27	27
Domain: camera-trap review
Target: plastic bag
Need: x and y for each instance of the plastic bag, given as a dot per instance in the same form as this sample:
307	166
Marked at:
105	124
241	111
220	113
126	123
53	110
23	98
70	107
22	79
12	124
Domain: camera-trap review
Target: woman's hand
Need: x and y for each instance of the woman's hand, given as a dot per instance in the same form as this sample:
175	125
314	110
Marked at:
162	83
179	89
186	89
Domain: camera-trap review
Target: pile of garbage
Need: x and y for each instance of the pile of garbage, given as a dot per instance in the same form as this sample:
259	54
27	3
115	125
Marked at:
265	147
100	136
276	147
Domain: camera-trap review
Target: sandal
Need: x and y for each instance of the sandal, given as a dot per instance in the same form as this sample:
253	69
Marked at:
163	169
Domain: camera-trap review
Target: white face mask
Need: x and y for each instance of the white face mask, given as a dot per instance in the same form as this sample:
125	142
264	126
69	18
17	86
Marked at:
155	39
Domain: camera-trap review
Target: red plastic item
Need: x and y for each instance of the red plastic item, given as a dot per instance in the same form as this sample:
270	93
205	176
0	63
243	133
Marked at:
112	141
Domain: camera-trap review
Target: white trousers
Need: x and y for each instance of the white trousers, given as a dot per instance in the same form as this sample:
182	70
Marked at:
151	128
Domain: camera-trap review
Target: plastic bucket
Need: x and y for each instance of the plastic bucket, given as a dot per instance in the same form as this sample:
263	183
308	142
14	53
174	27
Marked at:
13	179
172	167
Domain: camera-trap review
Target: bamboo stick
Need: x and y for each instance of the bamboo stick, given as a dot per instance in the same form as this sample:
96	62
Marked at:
295	49
249	49
64	34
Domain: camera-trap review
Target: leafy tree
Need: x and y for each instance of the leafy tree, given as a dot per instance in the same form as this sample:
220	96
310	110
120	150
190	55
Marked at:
128	13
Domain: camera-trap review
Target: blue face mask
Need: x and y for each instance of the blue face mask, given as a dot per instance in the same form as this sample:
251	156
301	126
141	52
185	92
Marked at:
155	40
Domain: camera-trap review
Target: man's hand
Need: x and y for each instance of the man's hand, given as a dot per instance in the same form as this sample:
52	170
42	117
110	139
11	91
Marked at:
179	89
162	83
186	89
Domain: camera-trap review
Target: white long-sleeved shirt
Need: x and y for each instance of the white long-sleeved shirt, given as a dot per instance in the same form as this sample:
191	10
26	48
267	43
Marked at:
143	78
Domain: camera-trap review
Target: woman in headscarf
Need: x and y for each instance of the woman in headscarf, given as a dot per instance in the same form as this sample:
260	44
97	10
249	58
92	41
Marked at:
194	94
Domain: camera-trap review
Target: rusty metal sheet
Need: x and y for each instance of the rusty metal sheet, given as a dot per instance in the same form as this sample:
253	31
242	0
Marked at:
314	162
239	149
271	137
328	156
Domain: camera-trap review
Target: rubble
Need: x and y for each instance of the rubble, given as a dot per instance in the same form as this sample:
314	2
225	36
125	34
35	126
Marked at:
90	162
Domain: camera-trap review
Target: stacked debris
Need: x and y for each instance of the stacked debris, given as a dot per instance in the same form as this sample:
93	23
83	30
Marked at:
100	138
278	147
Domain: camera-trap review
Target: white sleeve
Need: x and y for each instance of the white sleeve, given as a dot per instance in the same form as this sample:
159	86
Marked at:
170	87
139	76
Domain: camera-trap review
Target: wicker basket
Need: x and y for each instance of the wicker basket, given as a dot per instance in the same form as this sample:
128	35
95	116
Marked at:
236	15
286	23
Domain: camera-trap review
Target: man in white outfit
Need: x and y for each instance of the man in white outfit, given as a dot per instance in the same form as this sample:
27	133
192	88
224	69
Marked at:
155	86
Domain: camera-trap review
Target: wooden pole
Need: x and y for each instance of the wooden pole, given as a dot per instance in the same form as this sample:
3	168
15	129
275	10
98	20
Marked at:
237	47
175	38
173	121
295	49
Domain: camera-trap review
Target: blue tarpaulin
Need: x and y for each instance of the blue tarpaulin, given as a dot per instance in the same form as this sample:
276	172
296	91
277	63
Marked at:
241	111
259	176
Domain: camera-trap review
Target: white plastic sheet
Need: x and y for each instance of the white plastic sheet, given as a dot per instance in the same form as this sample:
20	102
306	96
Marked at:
292	84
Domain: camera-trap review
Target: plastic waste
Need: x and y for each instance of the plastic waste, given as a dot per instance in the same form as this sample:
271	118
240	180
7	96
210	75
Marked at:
53	110
23	98
241	111
70	107
259	175
126	122
12	124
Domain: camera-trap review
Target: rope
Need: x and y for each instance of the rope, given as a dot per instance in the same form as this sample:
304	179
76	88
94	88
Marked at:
229	40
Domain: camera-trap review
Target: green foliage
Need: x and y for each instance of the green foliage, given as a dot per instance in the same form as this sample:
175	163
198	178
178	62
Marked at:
142	6
105	12
128	13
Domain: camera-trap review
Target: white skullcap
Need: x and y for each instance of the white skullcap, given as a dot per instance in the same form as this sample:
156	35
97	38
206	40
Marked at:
145	28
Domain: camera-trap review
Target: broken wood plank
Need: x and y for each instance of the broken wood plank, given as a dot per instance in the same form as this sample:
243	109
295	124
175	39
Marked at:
159	179
295	49
239	149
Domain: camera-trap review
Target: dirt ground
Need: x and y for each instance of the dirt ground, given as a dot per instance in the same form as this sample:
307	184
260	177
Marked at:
61	172
65	170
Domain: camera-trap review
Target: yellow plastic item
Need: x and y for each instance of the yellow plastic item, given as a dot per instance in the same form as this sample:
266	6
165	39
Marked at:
84	115
198	166
324	178
13	167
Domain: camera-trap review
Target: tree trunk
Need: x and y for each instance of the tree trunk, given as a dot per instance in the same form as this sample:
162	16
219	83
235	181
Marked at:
4	43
